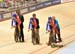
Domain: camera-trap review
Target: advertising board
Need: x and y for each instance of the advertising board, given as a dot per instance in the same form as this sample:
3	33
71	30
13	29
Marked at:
6	15
47	3
56	1
24	10
1	17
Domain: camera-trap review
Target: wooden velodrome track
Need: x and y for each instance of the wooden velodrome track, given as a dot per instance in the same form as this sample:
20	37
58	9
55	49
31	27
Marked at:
65	14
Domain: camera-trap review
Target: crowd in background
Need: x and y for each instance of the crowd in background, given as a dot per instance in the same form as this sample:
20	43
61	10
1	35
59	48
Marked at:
18	3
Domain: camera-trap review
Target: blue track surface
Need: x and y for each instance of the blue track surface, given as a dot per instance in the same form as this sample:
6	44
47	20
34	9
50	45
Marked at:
70	49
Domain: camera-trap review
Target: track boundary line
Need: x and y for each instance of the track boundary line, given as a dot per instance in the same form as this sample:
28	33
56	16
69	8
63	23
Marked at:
47	46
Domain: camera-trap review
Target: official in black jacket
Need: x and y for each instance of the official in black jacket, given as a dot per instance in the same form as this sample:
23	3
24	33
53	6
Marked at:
21	38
